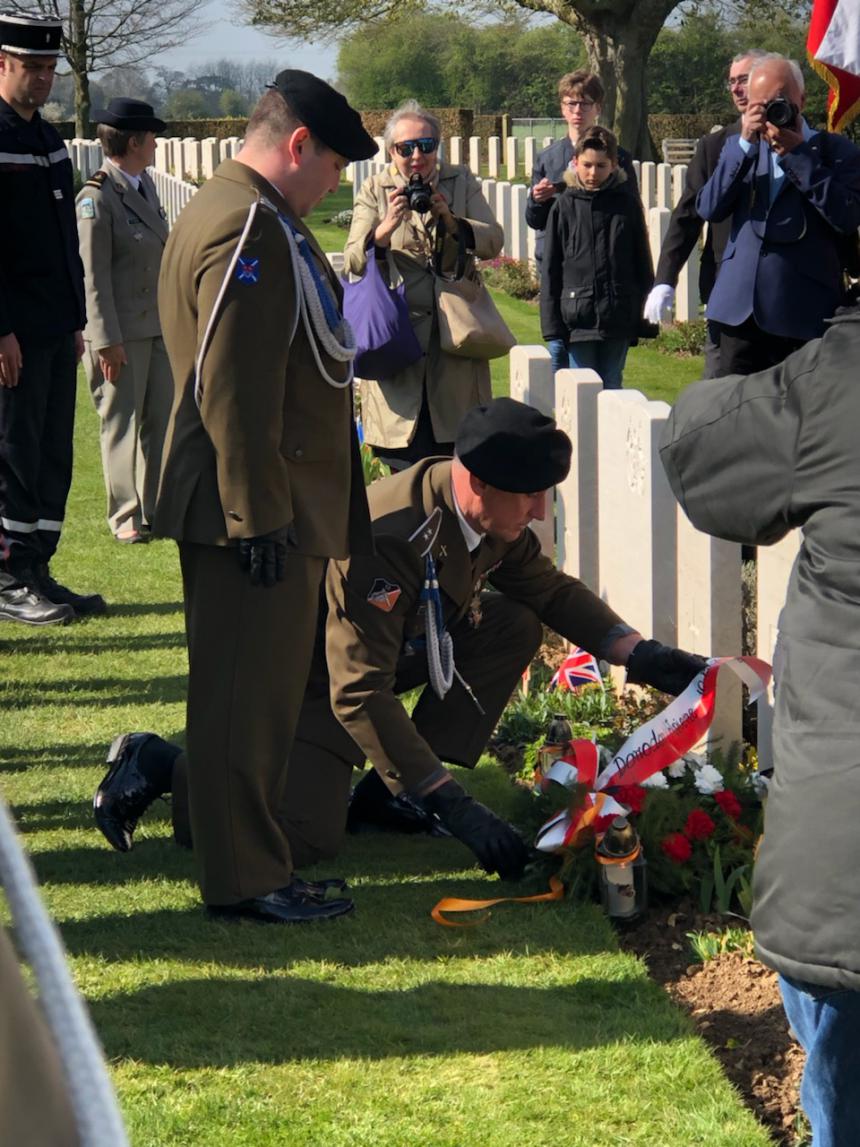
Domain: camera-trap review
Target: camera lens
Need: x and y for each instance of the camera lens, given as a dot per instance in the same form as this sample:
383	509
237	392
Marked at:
780	112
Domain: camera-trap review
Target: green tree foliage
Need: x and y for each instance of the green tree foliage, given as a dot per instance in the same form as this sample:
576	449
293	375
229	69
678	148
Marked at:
189	103
232	103
448	62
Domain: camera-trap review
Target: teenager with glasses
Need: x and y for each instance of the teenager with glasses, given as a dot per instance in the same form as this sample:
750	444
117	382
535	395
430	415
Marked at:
581	97
415	414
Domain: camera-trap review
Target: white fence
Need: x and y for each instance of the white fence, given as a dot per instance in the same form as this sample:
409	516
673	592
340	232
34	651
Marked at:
619	528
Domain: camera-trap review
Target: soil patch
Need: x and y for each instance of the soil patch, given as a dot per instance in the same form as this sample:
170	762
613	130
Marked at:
735	1005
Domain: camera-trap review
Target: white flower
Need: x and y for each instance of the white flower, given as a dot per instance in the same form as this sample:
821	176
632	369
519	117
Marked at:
678	769
761	784
708	780
695	760
656	781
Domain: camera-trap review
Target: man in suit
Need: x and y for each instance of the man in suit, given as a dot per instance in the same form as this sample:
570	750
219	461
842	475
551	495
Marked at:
262	480
792	196
122	230
415	613
581	97
685	224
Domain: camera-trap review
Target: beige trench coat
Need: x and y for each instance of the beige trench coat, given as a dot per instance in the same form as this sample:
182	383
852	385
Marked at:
454	385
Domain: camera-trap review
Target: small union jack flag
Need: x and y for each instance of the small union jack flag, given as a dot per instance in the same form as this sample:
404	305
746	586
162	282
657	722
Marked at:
578	668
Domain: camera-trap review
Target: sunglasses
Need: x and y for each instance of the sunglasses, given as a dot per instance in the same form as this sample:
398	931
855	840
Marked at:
426	146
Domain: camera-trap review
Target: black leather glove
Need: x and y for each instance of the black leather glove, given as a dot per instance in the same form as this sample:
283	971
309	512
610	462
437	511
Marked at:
667	669
498	847
265	557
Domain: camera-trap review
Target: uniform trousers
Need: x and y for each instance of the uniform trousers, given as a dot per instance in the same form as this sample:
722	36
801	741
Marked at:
249	653
37	422
34	1100
315	796
134	413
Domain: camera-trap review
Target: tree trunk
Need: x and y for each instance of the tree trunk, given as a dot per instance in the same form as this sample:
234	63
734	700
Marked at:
76	48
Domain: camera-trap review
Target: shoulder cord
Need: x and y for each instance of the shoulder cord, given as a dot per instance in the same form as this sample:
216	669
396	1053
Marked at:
321	319
440	645
94	1103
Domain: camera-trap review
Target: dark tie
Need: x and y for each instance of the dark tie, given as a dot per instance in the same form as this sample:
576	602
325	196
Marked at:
141	190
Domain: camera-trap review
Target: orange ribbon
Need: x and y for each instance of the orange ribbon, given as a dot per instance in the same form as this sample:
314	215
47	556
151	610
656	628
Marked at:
455	904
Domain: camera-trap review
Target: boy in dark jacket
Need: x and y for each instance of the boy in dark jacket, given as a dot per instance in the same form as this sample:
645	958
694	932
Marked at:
597	262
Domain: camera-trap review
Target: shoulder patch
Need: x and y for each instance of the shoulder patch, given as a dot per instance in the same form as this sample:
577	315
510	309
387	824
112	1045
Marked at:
87	209
247	270
384	594
96	180
426	534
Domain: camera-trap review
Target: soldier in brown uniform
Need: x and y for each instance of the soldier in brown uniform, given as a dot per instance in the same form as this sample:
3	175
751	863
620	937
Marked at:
261	480
416	613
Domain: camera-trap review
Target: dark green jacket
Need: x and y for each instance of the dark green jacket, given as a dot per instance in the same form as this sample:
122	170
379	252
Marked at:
750	459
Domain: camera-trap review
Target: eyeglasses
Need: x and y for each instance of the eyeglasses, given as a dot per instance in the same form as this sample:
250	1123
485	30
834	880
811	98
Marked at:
426	145
577	103
736	82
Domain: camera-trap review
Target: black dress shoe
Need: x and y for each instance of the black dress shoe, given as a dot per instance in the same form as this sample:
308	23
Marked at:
317	889
21	603
127	790
292	904
373	805
83	604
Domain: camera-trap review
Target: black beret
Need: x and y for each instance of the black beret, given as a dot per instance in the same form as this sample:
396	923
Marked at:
326	113
513	447
129	115
30	34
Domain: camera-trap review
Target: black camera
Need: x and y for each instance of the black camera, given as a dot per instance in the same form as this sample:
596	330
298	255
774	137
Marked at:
781	112
418	194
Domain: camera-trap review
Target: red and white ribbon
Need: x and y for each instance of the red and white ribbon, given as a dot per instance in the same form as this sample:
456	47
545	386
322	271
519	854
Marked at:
653	747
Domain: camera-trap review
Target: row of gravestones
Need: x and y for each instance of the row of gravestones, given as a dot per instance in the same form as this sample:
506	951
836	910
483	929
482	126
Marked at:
617	526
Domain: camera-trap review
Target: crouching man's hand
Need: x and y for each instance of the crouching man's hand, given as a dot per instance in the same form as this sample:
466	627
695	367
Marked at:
498	846
665	668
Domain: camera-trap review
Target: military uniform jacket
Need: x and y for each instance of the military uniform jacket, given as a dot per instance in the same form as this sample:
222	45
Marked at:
122	237
272	443
750	458
375	608
41	277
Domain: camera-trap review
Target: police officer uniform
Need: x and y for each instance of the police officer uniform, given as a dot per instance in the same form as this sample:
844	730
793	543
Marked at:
261	456
42	305
123	229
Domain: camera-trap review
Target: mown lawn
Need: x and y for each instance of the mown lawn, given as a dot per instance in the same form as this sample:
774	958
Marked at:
381	1030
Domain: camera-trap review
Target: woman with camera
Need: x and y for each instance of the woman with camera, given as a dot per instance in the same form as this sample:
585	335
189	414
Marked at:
404	217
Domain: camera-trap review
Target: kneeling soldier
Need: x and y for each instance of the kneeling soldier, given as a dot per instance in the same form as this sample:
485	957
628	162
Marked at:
417	613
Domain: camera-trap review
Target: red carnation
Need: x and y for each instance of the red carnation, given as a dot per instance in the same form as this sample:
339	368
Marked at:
677	847
729	803
631	795
699	825
602	823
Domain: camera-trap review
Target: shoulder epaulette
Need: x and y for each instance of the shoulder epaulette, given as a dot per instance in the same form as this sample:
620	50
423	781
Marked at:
426	534
96	180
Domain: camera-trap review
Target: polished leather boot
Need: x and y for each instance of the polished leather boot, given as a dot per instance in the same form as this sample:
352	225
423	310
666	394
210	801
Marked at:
83	604
292	904
129	787
21	602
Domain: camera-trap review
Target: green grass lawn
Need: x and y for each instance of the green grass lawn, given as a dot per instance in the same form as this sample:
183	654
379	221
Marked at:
380	1030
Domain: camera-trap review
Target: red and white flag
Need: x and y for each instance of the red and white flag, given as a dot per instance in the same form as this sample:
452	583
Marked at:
833	47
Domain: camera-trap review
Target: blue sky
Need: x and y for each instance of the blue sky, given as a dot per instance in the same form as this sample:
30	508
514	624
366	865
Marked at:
227	37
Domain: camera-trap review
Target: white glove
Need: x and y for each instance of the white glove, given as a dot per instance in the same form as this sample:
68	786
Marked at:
659	303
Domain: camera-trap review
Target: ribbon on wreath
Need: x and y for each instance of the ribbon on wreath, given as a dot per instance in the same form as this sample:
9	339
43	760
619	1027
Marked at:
653	747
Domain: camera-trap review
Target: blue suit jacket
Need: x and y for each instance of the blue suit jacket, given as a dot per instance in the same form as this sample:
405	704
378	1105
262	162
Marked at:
783	262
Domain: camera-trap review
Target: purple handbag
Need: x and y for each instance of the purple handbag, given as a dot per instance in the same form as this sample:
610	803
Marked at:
379	317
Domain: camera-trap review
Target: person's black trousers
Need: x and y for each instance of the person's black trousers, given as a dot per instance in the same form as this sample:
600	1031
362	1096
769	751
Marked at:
37	422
